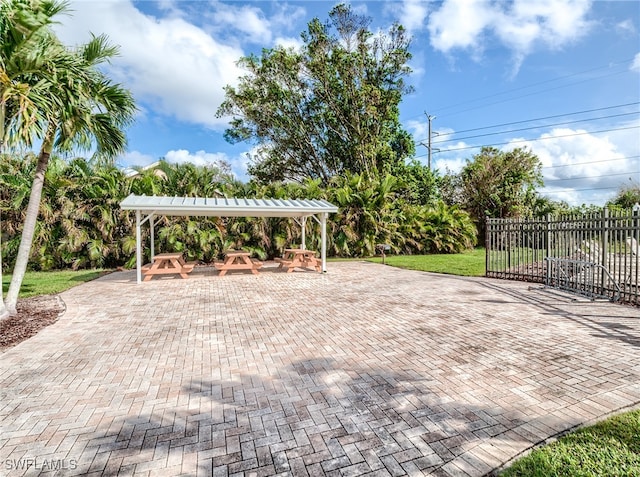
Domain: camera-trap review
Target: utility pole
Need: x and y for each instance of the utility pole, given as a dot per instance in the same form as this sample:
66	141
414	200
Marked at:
428	145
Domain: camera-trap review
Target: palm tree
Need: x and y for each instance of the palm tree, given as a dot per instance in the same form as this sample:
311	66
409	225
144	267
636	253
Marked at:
367	215
26	52
87	110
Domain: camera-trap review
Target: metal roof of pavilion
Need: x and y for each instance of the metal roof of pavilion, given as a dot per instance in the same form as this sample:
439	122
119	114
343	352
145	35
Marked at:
226	207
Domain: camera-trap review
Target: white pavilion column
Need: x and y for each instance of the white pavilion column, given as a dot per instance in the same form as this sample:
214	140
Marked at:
138	249
153	247
303	225
323	235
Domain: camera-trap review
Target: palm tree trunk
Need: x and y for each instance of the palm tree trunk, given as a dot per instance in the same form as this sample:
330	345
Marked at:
3	309
3	129
30	221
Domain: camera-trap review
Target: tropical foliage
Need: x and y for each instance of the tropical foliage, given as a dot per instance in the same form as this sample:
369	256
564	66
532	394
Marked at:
626	198
82	226
325	117
28	59
64	100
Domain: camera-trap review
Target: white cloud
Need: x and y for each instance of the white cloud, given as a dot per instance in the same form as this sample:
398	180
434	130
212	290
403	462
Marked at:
289	42
202	158
556	23
519	25
459	24
248	20
174	66
135	158
287	16
626	27
451	165
635	64
419	129
441	135
451	157
181	156
413	14
199	158
247	23
579	167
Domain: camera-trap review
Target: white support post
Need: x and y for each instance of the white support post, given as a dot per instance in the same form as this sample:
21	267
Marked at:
323	235
138	249
303	225
152	225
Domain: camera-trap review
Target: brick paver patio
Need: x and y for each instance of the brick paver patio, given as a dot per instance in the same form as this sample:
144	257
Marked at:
365	370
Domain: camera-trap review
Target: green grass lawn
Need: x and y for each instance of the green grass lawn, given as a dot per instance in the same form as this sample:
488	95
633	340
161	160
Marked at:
610	448
47	283
470	264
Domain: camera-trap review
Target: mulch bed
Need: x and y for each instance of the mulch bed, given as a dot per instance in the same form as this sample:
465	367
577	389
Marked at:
33	315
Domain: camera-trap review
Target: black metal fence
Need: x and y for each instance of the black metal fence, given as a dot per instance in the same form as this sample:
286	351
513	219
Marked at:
593	255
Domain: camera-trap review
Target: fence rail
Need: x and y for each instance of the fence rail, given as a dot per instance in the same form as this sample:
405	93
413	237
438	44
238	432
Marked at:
595	255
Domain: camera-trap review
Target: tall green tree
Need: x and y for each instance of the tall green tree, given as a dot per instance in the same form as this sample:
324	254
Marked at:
26	59
420	185
626	198
87	110
368	214
27	56
327	108
496	183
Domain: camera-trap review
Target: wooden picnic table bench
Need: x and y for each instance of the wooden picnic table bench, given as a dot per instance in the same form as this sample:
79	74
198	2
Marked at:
168	263
238	260
299	258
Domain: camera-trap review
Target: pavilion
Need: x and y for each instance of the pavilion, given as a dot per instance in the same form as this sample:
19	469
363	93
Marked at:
149	207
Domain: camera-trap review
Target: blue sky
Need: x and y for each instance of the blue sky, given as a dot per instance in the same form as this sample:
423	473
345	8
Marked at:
560	77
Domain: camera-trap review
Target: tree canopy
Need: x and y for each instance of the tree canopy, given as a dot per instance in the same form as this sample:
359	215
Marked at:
29	58
497	183
58	95
330	107
627	197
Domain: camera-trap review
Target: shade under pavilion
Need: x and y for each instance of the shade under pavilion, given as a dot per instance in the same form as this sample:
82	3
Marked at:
149	207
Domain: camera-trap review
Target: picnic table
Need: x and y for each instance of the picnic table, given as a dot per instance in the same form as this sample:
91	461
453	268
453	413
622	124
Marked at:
238	260
167	263
299	258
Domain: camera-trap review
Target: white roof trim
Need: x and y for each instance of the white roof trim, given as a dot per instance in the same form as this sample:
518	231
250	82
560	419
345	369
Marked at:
226	207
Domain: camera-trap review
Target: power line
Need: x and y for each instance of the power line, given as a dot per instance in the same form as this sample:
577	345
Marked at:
591	177
583	163
578	190
530	94
573	164
608	65
522	121
628	173
537	127
541	138
559	78
592	162
511	123
550	117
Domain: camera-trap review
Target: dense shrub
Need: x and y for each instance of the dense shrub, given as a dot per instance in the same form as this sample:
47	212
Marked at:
81	224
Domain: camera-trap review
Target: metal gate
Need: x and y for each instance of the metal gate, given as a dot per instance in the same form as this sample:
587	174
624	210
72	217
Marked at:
594	255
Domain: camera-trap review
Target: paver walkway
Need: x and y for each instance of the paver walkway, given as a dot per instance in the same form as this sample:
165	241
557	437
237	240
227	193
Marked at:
365	370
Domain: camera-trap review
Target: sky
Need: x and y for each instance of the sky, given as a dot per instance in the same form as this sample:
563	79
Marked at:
561	77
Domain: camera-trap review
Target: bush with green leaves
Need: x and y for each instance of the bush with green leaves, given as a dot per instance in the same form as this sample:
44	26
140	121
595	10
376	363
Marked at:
82	226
